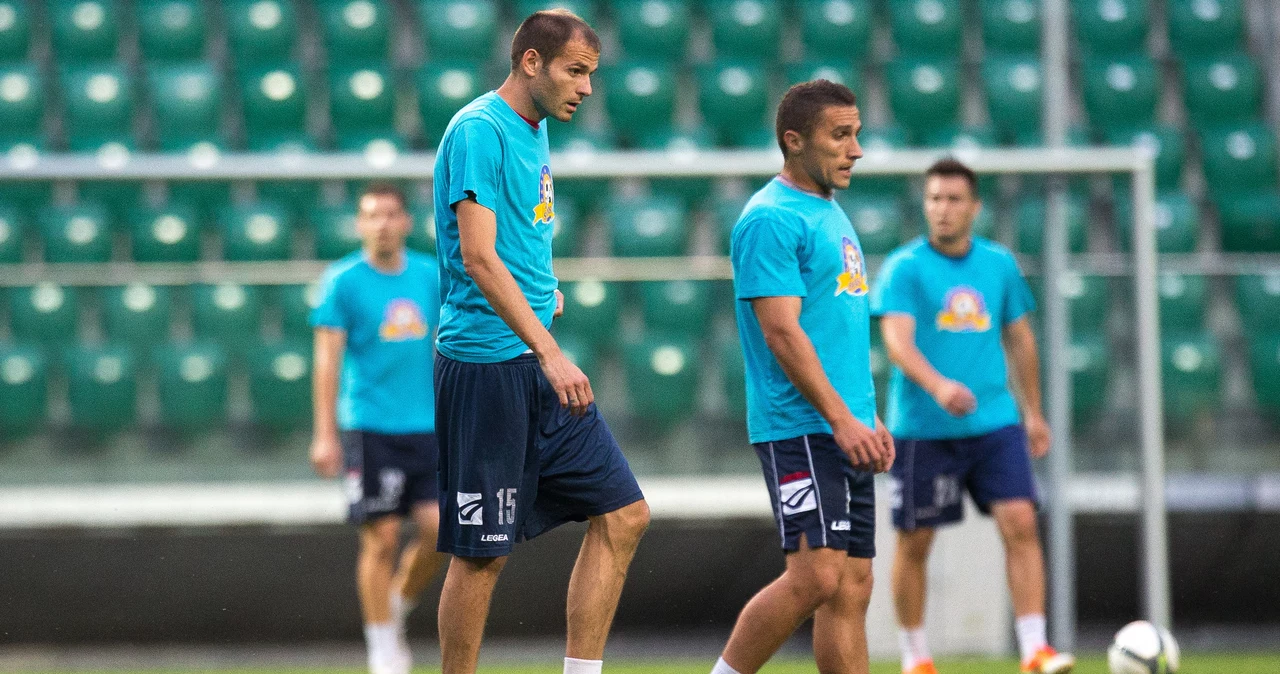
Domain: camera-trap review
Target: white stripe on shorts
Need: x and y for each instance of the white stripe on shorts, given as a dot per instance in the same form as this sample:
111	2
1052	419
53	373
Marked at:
813	475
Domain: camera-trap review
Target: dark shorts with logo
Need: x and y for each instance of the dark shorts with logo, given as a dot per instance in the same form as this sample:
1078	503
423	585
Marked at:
930	477
513	462
387	474
816	491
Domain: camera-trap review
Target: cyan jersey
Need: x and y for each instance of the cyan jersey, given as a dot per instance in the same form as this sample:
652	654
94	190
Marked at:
386	384
491	154
959	306
790	243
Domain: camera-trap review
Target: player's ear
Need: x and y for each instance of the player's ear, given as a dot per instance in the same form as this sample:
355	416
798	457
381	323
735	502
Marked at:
531	62
794	142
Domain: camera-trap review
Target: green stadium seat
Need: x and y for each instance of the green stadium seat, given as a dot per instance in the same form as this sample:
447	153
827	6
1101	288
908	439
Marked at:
985	222
24	194
924	95
203	197
566	237
15	30
1192	372
1222	89
880	141
1165	141
591	311
583	8
1183	301
1250	223
422	235
1121	92
24	388
21	100
84	30
726	210
733	377
261	30
1205	26
745	28
877	219
12	229
228	313
676	307
137	314
356	30
97	104
192	385
362	99
1089	360
1264	366
640	97
443	88
680	144
646	227
80	233
1111	26
118	196
296	304
275	103
653	29
839	71
1177	223
256	231
662	379
46	313
1030	224
836	29
1014	93
580	353
1239	159
460	29
1258	298
171	29
734	98
579	147
102	387
1011	26
335	230
280	384
927	27
1088	298
187	100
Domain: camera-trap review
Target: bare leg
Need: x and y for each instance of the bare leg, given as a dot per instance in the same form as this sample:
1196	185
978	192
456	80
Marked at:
1024	560
379	541
420	562
464	608
598	576
910	562
812	577
840	624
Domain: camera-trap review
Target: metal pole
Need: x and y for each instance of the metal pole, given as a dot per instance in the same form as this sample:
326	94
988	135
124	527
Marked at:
1057	338
1155	533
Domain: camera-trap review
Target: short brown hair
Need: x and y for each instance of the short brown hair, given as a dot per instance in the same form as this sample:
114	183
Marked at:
802	104
950	166
547	32
385	189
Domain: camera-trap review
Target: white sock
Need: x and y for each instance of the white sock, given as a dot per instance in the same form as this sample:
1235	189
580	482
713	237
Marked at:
576	666
1031	636
723	667
401	606
914	646
382	642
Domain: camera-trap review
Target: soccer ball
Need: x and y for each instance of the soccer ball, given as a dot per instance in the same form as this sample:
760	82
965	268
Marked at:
1143	648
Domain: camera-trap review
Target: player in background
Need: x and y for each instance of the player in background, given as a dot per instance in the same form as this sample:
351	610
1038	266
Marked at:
804	321
522	447
374	410
952	308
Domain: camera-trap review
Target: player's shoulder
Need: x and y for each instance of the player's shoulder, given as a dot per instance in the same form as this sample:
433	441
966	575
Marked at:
421	261
908	254
345	267
771	204
993	250
478	116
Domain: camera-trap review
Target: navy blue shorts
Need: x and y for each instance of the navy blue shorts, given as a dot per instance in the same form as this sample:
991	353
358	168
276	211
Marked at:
816	491
513	462
388	474
930	476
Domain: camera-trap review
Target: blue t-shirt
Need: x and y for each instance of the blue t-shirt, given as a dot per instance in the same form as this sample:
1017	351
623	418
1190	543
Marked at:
491	154
790	243
959	305
386	384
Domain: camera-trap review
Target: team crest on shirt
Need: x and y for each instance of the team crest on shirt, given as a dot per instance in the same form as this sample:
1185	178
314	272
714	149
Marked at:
853	280
545	211
402	321
964	310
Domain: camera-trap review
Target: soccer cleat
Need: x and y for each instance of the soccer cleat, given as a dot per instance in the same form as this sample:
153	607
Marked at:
922	667
1048	661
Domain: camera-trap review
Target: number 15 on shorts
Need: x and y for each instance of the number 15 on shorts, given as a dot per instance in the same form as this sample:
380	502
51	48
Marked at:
471	509
506	507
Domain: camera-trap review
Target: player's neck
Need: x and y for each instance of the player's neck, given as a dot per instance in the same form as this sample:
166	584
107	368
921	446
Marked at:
800	180
391	262
958	247
517	96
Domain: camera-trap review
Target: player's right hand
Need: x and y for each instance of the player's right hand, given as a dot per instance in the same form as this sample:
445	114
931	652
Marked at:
860	443
326	455
955	398
568	381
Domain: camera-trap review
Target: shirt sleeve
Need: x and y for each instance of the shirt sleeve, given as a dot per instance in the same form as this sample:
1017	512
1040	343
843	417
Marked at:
1020	301
329	313
893	291
475	161
766	251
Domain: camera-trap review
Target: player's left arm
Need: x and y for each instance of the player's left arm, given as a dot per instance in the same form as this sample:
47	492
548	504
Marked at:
1020	345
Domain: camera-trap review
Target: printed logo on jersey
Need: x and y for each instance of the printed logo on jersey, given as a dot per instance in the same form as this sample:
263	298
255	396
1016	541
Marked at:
402	321
470	509
545	211
796	493
964	310
854	278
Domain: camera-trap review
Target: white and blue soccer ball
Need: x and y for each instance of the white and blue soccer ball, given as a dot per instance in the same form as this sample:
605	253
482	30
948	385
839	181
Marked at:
1142	648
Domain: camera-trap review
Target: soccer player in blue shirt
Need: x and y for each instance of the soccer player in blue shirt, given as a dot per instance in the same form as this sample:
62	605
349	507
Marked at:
522	446
952	308
803	317
375	416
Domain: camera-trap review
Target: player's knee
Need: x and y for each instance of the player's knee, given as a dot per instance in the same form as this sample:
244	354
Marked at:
1019	526
380	544
628	524
816	584
915	545
857	584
